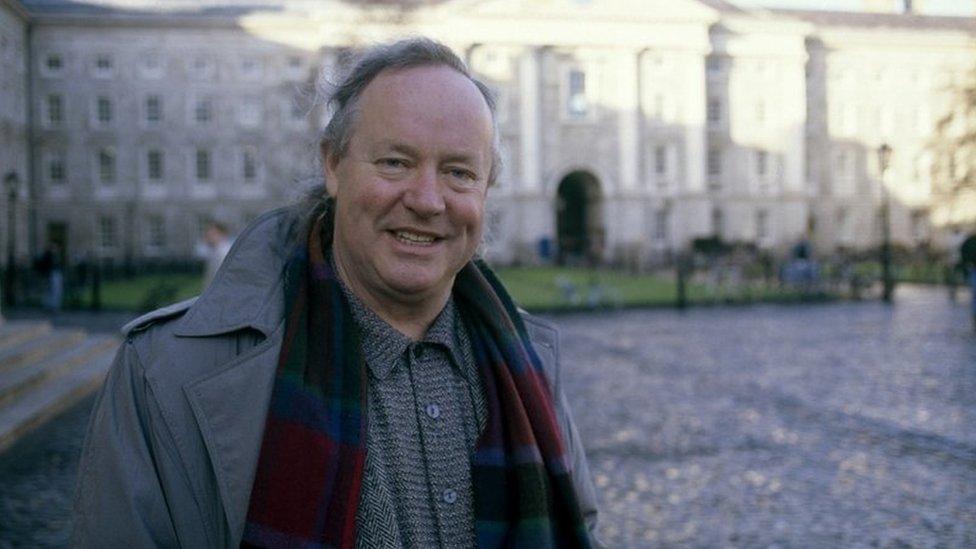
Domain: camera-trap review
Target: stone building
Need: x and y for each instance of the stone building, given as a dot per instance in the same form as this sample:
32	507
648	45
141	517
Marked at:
13	129
628	127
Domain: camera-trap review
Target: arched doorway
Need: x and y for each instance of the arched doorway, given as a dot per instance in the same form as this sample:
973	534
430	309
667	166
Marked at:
579	224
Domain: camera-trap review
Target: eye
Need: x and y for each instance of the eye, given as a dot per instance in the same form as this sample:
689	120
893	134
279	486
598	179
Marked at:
462	174
392	163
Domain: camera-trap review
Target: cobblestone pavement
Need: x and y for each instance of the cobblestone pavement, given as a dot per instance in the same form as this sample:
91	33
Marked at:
846	424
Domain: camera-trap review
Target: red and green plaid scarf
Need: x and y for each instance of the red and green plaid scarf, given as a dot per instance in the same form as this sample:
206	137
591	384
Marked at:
309	475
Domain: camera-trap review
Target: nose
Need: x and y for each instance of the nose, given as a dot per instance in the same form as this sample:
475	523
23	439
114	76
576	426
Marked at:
424	196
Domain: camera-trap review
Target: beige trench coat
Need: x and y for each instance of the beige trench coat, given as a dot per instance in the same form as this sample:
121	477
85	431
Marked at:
174	437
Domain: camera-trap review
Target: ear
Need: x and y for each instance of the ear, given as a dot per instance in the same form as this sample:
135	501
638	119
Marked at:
330	164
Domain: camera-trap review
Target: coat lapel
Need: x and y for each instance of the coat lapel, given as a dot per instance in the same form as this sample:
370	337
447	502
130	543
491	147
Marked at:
231	407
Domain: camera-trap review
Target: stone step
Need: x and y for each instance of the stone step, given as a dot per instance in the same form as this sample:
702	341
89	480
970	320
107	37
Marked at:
16	381
38	348
15	332
34	406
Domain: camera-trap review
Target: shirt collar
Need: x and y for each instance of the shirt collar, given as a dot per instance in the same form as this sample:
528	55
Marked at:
384	346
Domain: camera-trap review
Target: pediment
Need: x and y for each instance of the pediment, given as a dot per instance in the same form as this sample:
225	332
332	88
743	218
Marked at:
625	10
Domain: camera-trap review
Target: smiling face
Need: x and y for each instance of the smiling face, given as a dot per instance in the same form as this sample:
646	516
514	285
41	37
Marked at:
410	189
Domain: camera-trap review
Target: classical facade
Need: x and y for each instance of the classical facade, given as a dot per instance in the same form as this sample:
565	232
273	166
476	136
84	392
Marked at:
628	128
13	130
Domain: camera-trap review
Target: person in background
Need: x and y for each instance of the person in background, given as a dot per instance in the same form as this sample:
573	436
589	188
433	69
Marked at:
213	249
967	256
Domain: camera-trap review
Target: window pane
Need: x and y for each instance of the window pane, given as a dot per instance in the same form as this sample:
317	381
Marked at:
203	111
104	110
153	108
106	166
55	109
577	103
203	164
155	164
250	165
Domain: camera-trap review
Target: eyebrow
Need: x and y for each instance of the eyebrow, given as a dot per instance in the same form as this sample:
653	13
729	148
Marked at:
408	150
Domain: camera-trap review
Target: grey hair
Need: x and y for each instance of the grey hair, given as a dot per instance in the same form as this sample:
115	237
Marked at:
404	54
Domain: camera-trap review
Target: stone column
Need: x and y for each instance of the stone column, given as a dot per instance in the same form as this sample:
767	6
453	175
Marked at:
530	115
535	212
625	220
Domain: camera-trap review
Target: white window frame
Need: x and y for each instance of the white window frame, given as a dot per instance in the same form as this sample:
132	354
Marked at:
149	70
590	91
195	163
100	225
49	158
96	120
101	182
152	247
195	103
253	73
45	69
258	177
147	175
145	110
46	109
201	67
247	119
100	72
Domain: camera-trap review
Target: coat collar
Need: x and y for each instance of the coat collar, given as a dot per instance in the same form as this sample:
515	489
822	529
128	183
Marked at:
247	291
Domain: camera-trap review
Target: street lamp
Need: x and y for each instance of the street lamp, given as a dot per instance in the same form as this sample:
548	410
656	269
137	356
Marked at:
11	183
888	285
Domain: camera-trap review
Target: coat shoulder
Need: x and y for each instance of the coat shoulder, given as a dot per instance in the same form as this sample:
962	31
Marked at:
163	314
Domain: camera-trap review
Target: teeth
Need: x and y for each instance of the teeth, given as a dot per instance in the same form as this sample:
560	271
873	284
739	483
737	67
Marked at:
414	238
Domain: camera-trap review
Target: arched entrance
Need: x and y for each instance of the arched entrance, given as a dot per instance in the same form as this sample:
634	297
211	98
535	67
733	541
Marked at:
579	223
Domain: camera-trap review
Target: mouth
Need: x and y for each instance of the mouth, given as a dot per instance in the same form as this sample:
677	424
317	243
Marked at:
413	238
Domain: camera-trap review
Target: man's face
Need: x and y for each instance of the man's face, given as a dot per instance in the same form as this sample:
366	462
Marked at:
410	190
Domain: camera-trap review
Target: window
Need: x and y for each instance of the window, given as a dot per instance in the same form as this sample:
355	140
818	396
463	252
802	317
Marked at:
156	228
577	104
714	110
660	160
919	225
250	68
714	161
103	110
55	169
661	221
154	165
249	164
249	112
103	65
762	163
718	222
154	109
106	166
202	165
293	66
55	110
53	63
762	225
203	111
201	67
151	65
106	233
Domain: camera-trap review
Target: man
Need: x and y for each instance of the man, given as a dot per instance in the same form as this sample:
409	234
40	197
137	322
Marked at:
351	377
213	248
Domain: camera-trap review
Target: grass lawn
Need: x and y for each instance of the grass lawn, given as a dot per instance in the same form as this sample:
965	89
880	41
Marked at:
534	288
145	292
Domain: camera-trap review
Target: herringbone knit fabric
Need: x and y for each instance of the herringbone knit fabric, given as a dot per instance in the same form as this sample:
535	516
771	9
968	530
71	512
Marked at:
307	484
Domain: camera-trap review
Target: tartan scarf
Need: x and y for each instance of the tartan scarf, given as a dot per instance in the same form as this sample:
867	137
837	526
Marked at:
309	475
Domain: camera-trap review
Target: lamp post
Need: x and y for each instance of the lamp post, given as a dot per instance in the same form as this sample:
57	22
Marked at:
11	183
888	285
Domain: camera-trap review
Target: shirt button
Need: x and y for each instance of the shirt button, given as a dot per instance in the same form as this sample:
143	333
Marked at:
434	411
449	496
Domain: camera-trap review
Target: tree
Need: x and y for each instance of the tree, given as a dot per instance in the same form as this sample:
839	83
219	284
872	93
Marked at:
953	149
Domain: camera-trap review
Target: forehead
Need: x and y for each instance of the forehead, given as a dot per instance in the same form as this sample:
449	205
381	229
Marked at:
427	103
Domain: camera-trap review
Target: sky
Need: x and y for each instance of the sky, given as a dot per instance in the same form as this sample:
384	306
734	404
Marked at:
941	7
